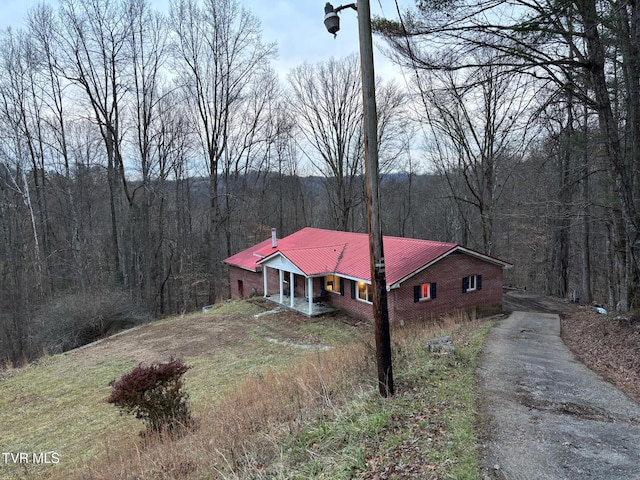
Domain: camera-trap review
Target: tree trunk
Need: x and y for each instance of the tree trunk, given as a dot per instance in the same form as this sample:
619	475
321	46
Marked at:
620	166
585	216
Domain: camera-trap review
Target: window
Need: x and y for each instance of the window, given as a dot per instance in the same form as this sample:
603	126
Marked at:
334	283
331	283
471	283
423	292
365	292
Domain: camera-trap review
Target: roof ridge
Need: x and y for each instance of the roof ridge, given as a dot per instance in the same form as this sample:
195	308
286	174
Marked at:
411	239
311	247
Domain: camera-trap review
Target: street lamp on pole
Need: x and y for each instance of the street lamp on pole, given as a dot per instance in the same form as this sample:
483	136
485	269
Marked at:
376	251
331	18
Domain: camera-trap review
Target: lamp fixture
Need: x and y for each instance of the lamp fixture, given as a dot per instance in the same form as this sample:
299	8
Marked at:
331	18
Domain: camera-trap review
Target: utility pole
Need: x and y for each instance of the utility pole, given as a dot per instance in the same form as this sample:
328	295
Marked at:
376	249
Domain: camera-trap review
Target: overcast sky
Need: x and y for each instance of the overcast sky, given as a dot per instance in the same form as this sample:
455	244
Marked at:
295	25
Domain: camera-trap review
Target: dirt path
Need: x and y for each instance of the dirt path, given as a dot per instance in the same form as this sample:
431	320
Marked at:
547	416
523	301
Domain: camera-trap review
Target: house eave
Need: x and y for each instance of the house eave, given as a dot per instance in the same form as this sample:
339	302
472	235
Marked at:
457	248
258	268
496	261
348	277
290	266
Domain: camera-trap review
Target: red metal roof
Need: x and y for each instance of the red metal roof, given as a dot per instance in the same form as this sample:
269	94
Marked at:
315	260
317	251
247	259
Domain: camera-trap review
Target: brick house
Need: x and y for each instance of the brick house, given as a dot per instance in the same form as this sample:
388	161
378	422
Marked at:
313	269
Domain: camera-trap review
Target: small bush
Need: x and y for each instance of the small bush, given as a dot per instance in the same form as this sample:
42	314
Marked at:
154	394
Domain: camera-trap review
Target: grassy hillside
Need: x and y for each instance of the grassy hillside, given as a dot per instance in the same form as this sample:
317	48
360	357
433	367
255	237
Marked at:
266	408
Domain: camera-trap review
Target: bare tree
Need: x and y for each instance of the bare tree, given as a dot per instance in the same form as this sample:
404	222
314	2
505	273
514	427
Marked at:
176	146
220	53
43	28
93	44
327	101
479	124
246	161
21	152
554	42
24	245
148	52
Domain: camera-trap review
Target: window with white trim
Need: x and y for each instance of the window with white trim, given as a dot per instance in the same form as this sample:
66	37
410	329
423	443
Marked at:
424	292
332	283
365	292
471	283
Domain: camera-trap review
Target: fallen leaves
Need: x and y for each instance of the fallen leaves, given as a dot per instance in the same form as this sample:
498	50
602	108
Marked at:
607	346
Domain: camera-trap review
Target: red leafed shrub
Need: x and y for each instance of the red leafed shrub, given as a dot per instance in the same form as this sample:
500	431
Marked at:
154	394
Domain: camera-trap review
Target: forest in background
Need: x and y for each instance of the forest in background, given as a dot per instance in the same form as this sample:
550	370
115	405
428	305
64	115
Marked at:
139	149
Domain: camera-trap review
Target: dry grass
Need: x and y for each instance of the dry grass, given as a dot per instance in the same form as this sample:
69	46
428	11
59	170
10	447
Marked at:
321	419
237	435
286	413
58	403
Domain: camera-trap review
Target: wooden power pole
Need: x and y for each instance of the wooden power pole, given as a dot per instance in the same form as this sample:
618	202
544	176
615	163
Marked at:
376	250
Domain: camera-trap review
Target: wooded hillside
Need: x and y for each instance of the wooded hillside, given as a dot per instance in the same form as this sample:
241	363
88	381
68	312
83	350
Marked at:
139	149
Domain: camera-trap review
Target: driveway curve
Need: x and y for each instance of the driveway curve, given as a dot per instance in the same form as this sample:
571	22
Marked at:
547	416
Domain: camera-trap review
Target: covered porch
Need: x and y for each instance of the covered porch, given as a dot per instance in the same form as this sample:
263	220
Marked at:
295	289
301	305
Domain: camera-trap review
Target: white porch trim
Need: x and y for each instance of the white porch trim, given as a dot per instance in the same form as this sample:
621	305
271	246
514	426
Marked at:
310	290
281	263
264	282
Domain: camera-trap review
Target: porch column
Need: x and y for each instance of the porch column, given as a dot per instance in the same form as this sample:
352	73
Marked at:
291	288
264	281
310	290
281	275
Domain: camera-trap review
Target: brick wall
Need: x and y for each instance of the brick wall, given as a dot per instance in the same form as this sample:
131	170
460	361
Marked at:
448	274
254	280
355	307
251	281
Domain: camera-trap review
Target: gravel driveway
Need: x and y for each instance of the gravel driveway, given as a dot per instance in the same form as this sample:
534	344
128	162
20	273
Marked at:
545	415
